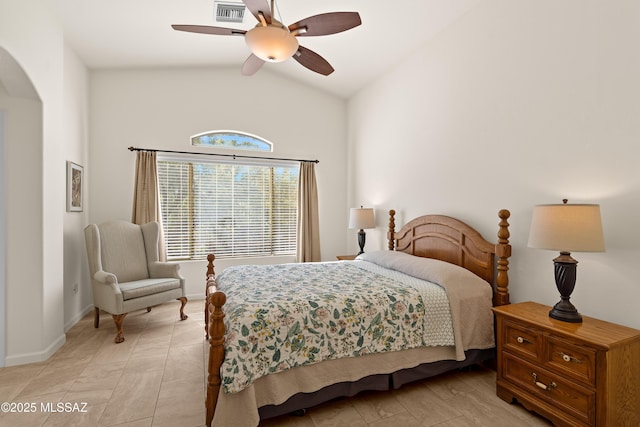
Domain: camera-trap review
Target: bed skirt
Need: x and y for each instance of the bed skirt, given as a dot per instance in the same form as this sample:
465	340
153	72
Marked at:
378	382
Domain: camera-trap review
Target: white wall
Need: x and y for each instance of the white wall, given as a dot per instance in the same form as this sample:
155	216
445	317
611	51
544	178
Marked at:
162	108
78	299
516	104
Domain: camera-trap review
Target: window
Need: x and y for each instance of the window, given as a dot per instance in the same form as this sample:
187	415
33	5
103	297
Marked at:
231	139
228	209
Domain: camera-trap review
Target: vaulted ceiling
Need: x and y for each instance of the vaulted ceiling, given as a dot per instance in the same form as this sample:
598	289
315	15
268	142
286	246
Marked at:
134	34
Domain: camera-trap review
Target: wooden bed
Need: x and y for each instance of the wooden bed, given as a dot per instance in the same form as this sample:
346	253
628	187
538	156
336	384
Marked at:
430	236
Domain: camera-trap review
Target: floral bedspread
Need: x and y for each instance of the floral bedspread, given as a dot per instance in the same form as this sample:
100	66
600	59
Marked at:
318	311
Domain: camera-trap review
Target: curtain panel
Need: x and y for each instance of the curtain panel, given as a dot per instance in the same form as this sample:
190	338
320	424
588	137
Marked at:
308	233
146	203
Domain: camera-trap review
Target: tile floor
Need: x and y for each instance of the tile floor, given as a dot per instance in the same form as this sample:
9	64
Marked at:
156	378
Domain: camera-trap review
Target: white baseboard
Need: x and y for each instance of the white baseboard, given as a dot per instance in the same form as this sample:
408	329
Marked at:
38	356
75	319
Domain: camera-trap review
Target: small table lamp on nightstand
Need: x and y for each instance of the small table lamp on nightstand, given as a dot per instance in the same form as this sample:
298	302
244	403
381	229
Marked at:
361	218
566	228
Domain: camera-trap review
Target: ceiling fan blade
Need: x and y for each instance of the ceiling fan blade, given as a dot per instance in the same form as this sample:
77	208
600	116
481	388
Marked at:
251	65
257	7
326	23
311	60
206	29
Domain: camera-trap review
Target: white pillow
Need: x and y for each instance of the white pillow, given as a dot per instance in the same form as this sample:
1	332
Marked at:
431	270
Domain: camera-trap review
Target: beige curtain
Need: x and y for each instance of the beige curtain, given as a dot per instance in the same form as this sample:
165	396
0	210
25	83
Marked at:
146	203
308	244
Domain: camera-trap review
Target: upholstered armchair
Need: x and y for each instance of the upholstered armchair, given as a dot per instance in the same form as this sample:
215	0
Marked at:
126	274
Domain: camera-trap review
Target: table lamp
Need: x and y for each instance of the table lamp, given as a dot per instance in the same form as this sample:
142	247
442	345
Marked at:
566	228
361	218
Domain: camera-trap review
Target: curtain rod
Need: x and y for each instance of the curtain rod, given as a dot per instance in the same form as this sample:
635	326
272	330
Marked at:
234	156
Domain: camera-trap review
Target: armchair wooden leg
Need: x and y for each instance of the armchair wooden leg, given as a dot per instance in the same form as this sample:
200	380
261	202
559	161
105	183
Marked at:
183	316
118	319
96	317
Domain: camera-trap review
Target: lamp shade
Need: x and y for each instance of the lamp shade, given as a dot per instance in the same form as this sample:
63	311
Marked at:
361	218
567	227
271	43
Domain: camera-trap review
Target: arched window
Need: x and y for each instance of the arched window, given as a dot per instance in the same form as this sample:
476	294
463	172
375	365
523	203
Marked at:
231	139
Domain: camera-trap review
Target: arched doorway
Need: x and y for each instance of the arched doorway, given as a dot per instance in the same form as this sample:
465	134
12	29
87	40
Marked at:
20	108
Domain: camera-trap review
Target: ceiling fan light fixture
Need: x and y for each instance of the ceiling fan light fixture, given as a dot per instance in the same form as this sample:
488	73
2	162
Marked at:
271	43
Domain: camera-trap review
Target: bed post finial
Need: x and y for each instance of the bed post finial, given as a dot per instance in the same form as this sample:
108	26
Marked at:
503	252
392	231
210	270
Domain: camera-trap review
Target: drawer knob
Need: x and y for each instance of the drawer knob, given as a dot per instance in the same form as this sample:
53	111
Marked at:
568	358
522	340
542	385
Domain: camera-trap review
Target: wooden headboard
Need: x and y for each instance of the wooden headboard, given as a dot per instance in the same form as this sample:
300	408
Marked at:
451	240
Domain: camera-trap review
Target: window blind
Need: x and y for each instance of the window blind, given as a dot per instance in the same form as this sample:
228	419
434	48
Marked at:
229	209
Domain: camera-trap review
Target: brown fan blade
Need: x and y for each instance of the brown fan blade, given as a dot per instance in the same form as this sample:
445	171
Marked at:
205	29
311	60
251	65
257	7
326	23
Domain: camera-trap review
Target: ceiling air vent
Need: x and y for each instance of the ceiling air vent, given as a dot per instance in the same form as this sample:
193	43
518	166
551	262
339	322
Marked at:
229	12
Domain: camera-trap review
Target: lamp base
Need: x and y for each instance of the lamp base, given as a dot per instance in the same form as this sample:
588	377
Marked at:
566	312
565	274
361	240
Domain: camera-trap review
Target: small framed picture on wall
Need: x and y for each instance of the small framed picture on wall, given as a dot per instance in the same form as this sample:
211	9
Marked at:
75	182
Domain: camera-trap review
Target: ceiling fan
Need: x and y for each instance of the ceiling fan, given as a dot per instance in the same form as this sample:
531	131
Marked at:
271	41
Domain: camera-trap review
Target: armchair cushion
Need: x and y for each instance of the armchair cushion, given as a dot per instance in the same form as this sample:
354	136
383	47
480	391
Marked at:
144	287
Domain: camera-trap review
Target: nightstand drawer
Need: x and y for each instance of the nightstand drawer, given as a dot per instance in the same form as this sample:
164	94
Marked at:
571	359
522	339
572	398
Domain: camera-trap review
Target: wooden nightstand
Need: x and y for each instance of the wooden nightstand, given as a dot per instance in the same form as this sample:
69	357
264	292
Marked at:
574	374
346	257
